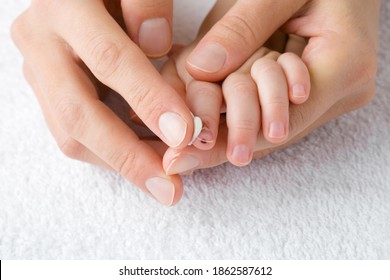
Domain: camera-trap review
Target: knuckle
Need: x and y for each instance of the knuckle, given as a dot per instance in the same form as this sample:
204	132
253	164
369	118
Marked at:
246	125
239	83
201	87
265	65
106	56
71	148
144	97
277	101
238	29
70	115
288	56
125	161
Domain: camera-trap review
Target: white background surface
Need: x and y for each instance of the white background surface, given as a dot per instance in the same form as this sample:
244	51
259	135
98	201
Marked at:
327	196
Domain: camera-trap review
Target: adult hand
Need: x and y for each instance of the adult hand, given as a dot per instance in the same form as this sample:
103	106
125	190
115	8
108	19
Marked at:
74	51
340	55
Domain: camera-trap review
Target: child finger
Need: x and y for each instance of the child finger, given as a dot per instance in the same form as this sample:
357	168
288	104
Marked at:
242	117
273	95
204	99
297	75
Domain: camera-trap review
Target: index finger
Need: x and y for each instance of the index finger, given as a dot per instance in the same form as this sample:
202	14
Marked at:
118	63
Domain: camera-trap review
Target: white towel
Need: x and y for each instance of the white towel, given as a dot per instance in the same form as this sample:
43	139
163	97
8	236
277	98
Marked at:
326	197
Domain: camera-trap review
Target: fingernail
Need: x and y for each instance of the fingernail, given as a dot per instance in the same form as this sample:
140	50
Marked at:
206	136
162	189
209	58
155	37
276	130
242	154
298	91
173	127
183	164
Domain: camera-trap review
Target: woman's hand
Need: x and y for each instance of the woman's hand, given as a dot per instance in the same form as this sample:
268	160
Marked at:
340	55
74	52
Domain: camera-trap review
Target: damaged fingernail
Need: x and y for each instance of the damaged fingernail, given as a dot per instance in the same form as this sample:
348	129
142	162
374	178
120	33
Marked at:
206	136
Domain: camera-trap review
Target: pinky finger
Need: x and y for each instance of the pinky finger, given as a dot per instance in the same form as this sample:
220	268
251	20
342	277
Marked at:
297	75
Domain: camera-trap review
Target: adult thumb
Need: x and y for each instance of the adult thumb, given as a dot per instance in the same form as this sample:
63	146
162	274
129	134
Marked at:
240	32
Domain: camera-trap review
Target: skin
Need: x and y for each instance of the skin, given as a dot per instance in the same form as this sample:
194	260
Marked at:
342	68
267	80
98	46
74	53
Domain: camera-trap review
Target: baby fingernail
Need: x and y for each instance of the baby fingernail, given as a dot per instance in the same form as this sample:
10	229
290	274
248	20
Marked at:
242	154
206	136
162	189
209	58
276	130
183	164
155	37
298	91
173	127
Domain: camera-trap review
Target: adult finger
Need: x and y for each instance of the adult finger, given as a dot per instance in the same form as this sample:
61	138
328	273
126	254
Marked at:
149	24
75	106
69	146
118	63
244	28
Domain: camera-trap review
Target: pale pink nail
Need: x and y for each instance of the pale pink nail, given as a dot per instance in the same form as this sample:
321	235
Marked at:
242	154
183	164
208	58
298	91
162	189
155	37
206	136
276	130
173	127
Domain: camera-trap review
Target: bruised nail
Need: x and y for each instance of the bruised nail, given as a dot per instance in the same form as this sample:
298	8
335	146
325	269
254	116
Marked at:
206	137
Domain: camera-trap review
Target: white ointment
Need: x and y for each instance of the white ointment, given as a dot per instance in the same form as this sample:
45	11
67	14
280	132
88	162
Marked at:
198	125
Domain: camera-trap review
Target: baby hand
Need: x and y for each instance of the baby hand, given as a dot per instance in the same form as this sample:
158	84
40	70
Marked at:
255	97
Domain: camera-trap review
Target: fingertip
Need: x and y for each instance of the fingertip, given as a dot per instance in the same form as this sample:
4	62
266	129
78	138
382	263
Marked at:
240	155
298	94
276	132
155	37
207	60
179	189
165	189
205	140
